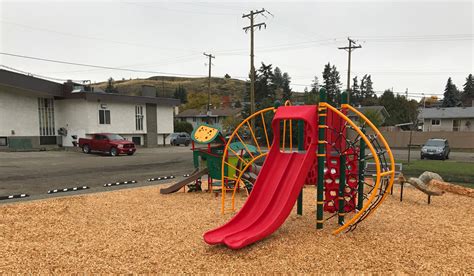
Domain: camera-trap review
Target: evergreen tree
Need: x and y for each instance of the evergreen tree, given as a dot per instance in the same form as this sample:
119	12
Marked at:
181	94
367	93
110	86
332	83
278	78
451	95
356	96
315	85
286	87
265	89
468	91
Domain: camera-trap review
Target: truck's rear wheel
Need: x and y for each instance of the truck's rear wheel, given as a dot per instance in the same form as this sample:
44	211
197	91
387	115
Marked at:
113	152
86	149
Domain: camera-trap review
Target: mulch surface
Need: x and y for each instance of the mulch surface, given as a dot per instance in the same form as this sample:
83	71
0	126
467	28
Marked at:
140	231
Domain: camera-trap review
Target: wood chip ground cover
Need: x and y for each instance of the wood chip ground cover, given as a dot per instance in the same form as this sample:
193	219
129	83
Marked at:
140	231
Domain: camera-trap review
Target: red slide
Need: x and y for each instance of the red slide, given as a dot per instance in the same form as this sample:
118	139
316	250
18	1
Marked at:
276	189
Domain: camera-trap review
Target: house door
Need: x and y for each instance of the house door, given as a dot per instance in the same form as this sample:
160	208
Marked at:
47	129
456	125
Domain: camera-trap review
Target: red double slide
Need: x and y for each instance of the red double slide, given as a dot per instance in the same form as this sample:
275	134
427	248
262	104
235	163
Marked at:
277	186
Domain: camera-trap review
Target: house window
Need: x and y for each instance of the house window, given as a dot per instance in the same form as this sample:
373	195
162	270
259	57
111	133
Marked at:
46	116
139	117
104	117
194	119
3	142
435	122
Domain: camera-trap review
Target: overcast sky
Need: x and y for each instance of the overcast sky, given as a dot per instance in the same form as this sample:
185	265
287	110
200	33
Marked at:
406	44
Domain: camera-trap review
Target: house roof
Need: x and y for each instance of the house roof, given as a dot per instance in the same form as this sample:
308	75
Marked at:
91	96
30	84
40	87
218	112
447	113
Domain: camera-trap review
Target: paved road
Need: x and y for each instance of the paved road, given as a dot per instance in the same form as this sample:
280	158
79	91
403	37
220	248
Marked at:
35	173
402	155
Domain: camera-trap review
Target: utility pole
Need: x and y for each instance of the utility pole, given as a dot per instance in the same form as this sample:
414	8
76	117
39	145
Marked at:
349	49
210	56
251	27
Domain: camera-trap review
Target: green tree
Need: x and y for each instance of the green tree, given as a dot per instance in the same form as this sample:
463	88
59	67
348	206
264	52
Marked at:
467	95
265	88
315	85
332	83
287	93
230	123
374	117
367	93
452	97
183	126
278	79
181	94
110	86
400	109
356	96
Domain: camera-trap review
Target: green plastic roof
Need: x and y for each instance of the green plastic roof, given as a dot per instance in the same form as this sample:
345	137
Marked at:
237	146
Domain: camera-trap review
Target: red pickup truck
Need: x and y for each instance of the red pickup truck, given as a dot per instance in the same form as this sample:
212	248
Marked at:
113	144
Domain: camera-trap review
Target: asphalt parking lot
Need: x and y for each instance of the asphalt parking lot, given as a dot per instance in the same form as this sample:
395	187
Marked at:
34	173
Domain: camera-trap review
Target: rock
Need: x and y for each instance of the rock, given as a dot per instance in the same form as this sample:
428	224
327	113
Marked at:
426	177
420	185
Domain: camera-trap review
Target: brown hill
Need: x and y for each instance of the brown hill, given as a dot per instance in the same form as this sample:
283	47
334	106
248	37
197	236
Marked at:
165	86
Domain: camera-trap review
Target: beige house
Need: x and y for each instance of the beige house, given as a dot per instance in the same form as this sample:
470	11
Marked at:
215	116
448	119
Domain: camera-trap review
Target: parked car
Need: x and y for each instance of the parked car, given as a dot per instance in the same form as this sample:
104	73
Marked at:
180	138
435	148
112	144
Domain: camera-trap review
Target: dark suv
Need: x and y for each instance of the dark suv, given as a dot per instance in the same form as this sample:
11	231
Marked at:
180	138
435	148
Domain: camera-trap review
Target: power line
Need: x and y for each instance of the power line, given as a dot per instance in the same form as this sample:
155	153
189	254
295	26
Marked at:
39	76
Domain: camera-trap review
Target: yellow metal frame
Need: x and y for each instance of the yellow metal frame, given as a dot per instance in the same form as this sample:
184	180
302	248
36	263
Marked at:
391	172
377	162
322	106
254	158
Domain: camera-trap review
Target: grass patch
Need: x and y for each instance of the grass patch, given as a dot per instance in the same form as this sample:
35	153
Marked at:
451	171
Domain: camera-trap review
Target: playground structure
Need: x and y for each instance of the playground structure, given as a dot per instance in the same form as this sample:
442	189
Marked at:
331	153
207	160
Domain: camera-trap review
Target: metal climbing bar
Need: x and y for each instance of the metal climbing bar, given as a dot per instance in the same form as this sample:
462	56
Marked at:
360	184
321	157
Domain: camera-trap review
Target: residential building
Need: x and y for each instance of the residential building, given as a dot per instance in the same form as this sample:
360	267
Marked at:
448	119
215	117
36	113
